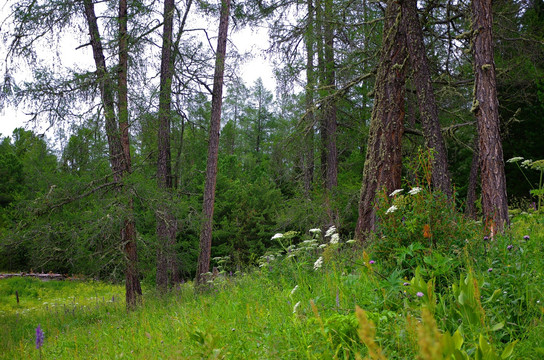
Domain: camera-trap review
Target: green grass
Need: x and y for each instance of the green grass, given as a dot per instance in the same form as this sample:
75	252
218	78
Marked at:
251	315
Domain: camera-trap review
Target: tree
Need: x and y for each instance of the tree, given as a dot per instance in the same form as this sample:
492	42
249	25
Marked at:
425	94
309	116
118	140
327	87
234	109
383	163
203	265
166	223
486	109
329	104
259	117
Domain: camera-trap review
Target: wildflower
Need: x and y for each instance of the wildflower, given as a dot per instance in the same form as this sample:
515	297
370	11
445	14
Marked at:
315	231
294	289
420	294
277	236
322	246
526	163
318	263
352	241
514	159
490	270
331	231
526	237
296	307
510	247
371	262
335	238
414	191
391	209
427	231
39	337
486	238
406	284
398	191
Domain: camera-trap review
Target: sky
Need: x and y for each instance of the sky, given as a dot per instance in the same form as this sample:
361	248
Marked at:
255	41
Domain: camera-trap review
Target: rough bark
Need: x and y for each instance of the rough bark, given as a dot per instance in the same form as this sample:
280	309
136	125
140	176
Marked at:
308	153
486	109
320	45
166	223
383	162
330	103
425	94
106	87
118	141
203	265
128	234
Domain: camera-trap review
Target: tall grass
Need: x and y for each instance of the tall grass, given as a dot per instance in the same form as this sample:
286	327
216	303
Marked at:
489	303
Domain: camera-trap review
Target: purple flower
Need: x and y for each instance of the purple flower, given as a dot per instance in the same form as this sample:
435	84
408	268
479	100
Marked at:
406	284
486	238
39	337
420	294
510	247
490	270
371	262
526	237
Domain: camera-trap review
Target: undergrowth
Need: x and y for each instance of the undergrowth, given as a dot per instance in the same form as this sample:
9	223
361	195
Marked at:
319	297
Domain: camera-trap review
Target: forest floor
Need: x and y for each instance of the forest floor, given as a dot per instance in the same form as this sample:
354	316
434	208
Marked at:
484	301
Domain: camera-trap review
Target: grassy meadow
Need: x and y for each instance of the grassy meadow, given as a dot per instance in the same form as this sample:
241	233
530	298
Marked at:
313	298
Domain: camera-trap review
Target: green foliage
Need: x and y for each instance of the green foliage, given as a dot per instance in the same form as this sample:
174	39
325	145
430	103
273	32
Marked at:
291	309
415	223
538	165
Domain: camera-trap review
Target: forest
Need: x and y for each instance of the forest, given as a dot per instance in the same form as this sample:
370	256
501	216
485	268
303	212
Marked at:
402	147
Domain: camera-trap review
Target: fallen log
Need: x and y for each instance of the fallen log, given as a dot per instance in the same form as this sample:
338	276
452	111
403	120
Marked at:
41	276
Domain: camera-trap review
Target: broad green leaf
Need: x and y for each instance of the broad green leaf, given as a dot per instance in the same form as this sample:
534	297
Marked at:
462	298
483	345
460	355
508	350
458	339
497	326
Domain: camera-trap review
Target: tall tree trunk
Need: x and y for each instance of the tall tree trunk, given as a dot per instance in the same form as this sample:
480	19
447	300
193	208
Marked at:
486	109
166	223
117	142
259	125
330	103
203	265
308	132
383	163
128	235
177	165
425	95
321	87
